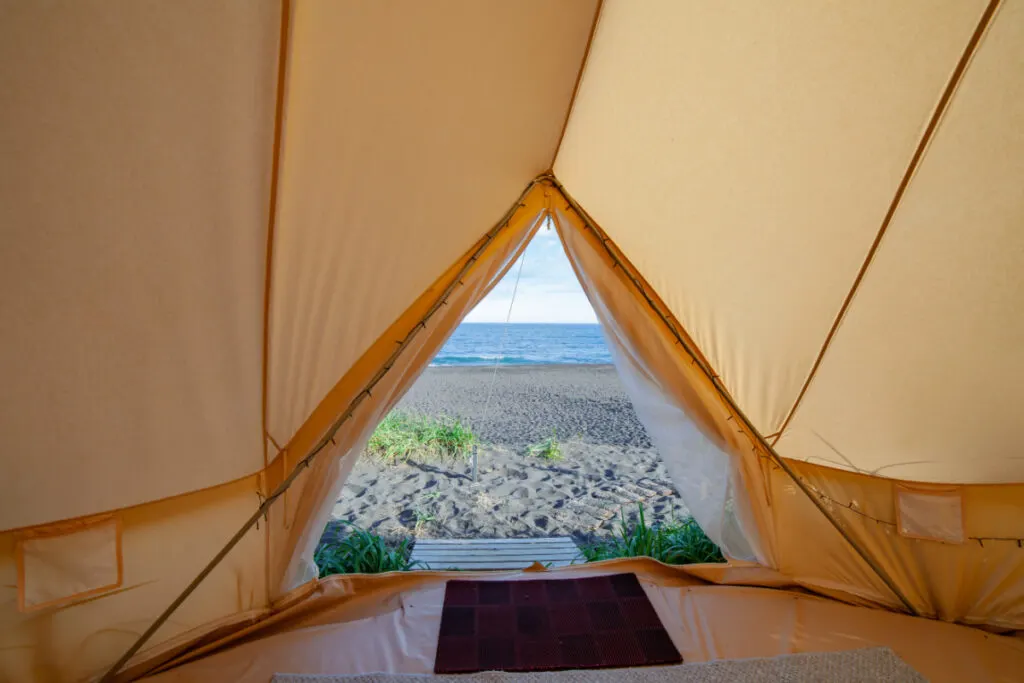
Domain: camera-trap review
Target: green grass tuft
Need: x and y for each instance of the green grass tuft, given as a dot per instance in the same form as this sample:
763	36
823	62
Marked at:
362	552
675	543
400	436
548	449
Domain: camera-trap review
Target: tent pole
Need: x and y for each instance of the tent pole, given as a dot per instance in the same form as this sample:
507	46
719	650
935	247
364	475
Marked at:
724	394
326	439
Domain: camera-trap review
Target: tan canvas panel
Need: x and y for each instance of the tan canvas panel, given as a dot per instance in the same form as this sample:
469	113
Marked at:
402	145
163	546
134	179
925	378
743	155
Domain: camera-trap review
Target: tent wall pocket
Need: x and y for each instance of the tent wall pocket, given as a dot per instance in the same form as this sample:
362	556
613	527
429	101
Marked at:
930	514
61	563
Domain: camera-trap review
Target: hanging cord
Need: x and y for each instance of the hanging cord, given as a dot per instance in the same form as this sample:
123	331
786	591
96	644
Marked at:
501	352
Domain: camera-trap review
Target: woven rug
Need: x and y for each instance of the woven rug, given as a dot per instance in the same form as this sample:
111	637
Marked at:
872	665
550	625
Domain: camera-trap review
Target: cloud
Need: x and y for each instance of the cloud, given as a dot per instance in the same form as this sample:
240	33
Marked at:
548	290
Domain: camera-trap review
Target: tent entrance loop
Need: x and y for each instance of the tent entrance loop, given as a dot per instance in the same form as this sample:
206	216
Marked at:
759	442
328	436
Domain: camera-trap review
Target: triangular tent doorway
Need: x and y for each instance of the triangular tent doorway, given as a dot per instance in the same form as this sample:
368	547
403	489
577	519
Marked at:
223	266
519	433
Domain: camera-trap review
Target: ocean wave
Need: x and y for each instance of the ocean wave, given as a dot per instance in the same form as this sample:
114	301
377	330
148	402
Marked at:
524	344
486	359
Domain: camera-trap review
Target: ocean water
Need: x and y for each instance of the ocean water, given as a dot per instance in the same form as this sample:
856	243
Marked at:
524	344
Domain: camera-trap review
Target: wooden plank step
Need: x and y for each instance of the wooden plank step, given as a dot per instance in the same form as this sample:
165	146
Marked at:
482	557
506	552
490	566
484	562
524	553
497	550
501	550
559	540
495	553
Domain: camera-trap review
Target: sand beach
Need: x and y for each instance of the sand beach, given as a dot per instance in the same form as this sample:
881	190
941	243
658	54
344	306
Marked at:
608	463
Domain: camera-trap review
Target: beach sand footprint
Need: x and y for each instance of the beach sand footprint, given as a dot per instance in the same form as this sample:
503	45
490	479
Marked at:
605	469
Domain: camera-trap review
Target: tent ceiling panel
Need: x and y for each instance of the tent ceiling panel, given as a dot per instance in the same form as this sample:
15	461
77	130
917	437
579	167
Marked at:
409	129
925	378
743	156
134	179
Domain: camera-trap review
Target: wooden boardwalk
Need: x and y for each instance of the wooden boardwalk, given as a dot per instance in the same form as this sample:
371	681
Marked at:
494	553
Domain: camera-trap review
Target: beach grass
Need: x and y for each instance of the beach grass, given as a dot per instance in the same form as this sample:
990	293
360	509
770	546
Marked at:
672	543
403	435
362	552
548	449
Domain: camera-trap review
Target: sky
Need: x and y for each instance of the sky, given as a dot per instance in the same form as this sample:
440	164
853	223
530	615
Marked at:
548	289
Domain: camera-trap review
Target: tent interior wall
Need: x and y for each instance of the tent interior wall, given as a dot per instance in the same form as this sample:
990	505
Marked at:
234	233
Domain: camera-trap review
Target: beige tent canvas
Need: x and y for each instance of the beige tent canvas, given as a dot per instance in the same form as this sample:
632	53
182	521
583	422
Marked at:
233	233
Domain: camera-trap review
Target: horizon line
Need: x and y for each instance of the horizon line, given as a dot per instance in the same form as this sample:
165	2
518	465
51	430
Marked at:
525	322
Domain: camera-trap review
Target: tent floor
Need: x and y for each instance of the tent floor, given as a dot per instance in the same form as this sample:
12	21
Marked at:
390	623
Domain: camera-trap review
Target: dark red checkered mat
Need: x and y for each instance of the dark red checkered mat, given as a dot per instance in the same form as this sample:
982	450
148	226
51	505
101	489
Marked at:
549	625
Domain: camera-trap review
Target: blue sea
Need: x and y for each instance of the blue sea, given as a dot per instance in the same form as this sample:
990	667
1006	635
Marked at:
524	344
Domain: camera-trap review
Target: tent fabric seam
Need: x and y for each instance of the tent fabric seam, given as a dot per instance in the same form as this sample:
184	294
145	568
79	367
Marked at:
275	172
916	159
576	85
284	43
